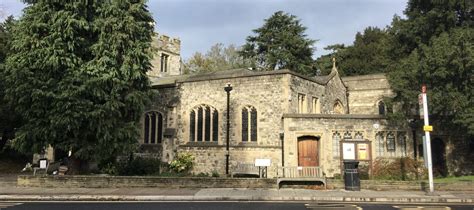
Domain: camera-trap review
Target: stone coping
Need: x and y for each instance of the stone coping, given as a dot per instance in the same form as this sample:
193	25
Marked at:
364	77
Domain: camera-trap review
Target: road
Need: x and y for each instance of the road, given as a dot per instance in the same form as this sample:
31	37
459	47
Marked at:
209	206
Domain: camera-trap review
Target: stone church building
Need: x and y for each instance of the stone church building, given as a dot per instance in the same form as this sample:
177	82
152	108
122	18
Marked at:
291	119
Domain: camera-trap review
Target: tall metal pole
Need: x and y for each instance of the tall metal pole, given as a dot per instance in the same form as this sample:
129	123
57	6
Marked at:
227	89
428	140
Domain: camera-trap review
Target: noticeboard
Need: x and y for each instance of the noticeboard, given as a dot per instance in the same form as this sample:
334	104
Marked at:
348	151
362	151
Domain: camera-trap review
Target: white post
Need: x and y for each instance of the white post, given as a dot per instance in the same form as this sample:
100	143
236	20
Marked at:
428	140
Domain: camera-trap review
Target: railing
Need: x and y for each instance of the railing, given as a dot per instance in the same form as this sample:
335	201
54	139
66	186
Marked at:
299	172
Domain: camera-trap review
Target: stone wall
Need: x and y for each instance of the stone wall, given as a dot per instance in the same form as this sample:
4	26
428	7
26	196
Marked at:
309	89
267	93
208	182
164	101
136	181
366	91
390	185
211	158
324	126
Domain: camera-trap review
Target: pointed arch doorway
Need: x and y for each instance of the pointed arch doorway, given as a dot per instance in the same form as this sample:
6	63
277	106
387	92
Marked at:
308	151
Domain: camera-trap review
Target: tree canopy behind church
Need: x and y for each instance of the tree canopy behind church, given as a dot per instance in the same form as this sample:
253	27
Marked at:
280	43
367	55
434	46
77	76
218	58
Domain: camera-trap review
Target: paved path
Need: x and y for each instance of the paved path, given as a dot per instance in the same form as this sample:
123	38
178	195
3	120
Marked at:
13	193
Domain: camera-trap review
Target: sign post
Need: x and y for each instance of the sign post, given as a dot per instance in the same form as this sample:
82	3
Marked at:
427	128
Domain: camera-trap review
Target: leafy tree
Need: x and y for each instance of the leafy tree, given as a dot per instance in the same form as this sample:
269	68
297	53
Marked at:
280	43
218	58
367	55
434	46
77	76
8	120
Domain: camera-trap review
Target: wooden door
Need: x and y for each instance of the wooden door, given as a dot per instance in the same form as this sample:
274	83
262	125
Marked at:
308	154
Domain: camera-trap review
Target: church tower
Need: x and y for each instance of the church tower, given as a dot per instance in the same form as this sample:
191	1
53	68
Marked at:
167	59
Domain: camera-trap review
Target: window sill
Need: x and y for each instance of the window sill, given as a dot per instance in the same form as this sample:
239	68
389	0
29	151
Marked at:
250	143
202	143
150	144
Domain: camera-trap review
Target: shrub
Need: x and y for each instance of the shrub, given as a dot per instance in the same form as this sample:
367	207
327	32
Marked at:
138	166
182	163
215	174
398	169
202	174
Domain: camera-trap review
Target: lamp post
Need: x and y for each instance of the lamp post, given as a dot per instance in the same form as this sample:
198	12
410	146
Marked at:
227	89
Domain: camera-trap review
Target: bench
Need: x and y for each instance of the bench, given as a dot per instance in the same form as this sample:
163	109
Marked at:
300	174
245	169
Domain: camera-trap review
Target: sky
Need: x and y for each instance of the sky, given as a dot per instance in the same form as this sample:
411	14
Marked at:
199	24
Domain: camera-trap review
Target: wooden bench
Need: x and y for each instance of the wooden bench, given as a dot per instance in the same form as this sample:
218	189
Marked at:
300	174
245	169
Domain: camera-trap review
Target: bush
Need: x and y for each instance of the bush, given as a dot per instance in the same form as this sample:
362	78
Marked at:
183	163
398	169
215	174
137	166
202	174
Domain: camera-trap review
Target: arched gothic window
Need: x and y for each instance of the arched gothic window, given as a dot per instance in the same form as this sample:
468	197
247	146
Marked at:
316	106
203	124
249	124
358	136
402	144
381	106
336	138
390	141
380	144
338	108
153	128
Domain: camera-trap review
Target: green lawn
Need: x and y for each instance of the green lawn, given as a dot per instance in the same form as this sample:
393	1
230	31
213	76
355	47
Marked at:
454	179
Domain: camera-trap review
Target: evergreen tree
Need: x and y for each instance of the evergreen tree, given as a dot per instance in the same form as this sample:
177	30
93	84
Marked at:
434	46
280	43
367	55
324	63
77	76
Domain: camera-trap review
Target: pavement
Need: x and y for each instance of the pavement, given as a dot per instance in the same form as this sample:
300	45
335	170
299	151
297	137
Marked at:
14	193
10	192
